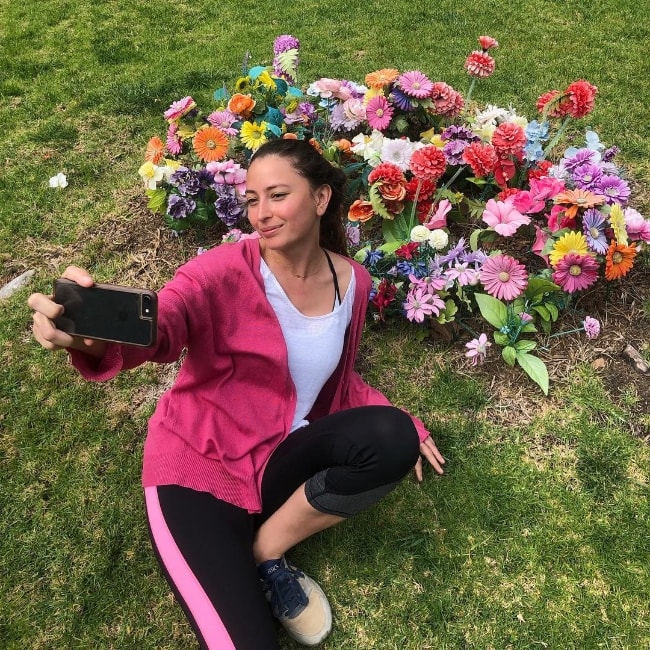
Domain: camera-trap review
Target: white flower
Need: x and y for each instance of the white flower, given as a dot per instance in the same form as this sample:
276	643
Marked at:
368	146
59	181
397	152
438	239
151	174
420	234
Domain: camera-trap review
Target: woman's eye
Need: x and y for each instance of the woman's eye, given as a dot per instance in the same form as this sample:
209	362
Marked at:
250	202
278	195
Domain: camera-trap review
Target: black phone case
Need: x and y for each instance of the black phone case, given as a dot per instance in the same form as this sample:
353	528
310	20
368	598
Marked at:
107	312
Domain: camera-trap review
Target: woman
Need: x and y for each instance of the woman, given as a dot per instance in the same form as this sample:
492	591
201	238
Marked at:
268	435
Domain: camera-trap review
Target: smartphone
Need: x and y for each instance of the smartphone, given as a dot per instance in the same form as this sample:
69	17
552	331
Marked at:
107	312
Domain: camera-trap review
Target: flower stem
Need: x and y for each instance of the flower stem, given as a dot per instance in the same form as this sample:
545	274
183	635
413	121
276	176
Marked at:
558	135
470	90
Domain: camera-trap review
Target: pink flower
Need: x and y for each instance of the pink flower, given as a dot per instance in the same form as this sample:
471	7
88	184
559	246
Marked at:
541	190
415	84
420	303
579	101
638	228
477	349
224	120
179	108
540	242
487	42
327	88
503	277
439	217
503	217
479	64
575	272
509	139
592	327
379	113
447	101
174	141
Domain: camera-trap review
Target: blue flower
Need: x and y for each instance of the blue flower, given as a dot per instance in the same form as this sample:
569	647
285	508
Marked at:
537	131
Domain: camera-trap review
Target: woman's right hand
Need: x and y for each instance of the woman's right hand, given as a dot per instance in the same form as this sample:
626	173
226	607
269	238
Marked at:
46	310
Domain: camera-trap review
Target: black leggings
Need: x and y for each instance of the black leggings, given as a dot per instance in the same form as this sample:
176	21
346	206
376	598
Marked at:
347	460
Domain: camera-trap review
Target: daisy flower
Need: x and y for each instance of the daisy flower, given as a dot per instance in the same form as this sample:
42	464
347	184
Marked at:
477	349
503	277
577	199
576	272
593	226
415	84
570	242
253	135
397	152
174	140
619	261
381	78
210	144
379	113
614	189
179	108
155	150
617	221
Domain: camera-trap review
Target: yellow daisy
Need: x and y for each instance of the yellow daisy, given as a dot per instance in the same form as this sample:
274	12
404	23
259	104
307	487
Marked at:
253	135
617	220
570	242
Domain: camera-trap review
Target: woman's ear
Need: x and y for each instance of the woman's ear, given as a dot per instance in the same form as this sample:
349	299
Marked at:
322	197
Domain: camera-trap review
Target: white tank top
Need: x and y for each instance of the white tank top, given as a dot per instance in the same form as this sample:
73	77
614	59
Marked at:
314	343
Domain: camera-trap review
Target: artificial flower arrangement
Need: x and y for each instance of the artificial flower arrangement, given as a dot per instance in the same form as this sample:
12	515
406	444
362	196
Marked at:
455	209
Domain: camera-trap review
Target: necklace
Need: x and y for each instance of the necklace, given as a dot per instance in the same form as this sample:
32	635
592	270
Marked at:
306	275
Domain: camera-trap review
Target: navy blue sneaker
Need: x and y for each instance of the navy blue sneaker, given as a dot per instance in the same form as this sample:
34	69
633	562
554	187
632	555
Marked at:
296	601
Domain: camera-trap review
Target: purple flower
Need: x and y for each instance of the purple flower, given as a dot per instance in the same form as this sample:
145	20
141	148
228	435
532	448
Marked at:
285	42
372	257
453	151
186	181
592	327
352	234
593	226
227	206
614	189
477	349
401	100
459	132
580	157
586	177
610	154
453	254
179	207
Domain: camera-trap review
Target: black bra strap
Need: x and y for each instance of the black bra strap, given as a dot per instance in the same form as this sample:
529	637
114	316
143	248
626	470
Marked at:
337	292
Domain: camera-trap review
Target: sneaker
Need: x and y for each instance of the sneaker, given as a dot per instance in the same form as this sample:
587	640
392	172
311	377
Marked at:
296	601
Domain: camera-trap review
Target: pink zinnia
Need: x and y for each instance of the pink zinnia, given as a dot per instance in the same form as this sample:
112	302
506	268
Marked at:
479	64
387	173
576	272
415	84
487	42
428	163
509	139
179	108
504	217
174	142
379	113
503	277
447	101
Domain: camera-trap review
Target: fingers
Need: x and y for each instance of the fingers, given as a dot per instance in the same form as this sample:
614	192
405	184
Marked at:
429	450
47	334
418	470
78	275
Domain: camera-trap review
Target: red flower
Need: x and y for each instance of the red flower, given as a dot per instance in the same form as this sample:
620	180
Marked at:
547	98
509	139
392	191
487	42
426	191
384	296
386	172
540	171
507	192
447	101
422	210
504	170
482	158
428	163
406	251
479	64
580	96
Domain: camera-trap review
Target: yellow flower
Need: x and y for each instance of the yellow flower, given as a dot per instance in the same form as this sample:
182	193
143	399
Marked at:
570	242
242	84
253	135
266	79
372	92
617	220
151	174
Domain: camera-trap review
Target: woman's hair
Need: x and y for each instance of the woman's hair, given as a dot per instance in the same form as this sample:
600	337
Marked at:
309	163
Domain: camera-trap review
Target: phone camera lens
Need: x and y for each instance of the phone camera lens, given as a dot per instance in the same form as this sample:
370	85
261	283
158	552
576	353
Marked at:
146	305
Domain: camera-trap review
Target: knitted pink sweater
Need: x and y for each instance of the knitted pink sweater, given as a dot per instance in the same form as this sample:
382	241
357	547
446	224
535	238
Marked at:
233	401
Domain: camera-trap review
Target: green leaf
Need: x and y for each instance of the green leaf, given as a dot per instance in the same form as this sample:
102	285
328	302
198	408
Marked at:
509	355
390	247
493	310
501	339
535	368
553	310
542	311
157	200
529	327
474	237
537	287
287	61
525	345
378	203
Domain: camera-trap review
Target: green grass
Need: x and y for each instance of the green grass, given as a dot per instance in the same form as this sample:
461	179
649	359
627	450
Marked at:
538	534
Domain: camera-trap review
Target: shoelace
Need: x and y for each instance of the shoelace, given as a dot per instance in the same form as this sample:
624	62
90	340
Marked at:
287	596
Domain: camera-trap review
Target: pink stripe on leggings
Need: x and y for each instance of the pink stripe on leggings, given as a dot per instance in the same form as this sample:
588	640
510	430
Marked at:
205	615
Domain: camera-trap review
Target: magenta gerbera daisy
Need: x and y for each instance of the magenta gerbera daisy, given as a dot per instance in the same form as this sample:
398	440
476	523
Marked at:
576	272
415	84
503	277
379	113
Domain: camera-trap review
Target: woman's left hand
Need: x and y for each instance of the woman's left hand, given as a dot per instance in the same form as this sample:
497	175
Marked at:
429	450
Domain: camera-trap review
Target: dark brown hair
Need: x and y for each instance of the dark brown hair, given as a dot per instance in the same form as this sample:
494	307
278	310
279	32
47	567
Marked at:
310	164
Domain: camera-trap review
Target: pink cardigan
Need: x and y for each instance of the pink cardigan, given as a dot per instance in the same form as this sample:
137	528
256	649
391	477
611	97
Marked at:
233	401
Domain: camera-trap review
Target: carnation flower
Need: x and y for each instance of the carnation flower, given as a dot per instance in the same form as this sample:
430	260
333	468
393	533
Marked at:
179	207
446	101
428	163
504	277
284	43
576	272
482	158
547	103
479	64
592	327
579	99
438	239
487	42
509	139
387	173
415	84
638	228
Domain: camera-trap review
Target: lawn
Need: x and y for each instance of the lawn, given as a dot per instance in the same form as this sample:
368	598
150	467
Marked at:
538	534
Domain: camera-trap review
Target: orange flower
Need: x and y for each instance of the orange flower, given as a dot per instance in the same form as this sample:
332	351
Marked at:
289	136
314	143
381	78
619	261
211	144
392	191
343	145
155	150
361	211
577	199
241	104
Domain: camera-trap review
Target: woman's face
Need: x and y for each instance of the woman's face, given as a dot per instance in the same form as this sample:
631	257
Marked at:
282	207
